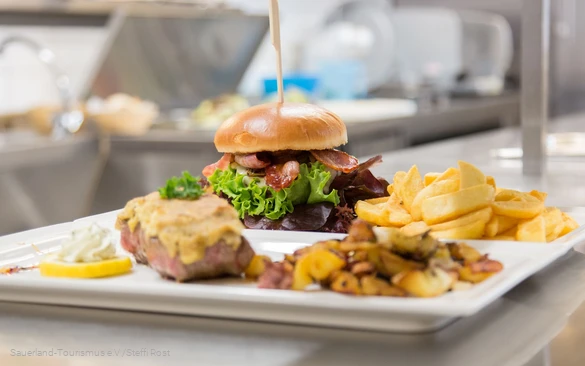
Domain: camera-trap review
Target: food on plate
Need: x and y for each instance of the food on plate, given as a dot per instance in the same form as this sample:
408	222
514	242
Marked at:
212	112
122	114
88	253
464	203
281	172
381	262
184	233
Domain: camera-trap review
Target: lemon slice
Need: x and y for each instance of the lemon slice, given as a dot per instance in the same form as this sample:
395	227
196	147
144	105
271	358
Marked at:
52	267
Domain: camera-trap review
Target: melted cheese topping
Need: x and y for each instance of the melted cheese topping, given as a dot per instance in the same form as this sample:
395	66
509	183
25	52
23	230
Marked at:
185	228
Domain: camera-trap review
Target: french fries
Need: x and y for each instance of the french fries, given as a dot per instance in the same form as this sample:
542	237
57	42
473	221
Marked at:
464	203
452	205
380	262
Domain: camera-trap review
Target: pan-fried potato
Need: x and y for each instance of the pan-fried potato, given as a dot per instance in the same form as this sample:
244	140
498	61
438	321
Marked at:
464	252
374	286
430	178
449	206
474	230
428	283
479	271
518	209
482	215
346	283
433	190
470	175
390	189
532	230
410	187
491	181
315	266
391	264
257	266
419	247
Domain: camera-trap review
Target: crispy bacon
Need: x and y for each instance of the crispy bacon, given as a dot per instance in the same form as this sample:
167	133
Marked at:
337	160
282	175
253	161
222	164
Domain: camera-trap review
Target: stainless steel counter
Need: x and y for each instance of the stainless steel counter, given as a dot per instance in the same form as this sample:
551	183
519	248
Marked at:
541	322
44	181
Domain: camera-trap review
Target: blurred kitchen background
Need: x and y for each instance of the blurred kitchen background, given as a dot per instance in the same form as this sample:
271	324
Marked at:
102	101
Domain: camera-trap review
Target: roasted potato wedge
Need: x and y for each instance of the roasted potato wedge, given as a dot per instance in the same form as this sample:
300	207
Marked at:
415	228
474	230
569	224
491	227
506	223
553	223
448	174
533	230
452	205
430	178
433	190
513	195
484	215
541	196
374	214
376	201
410	187
470	175
518	209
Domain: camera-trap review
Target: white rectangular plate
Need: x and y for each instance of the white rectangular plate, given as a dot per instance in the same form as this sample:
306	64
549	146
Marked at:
144	290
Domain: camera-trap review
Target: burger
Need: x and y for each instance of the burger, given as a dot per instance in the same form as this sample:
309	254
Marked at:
280	169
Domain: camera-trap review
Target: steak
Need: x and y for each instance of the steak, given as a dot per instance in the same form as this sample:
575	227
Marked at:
220	259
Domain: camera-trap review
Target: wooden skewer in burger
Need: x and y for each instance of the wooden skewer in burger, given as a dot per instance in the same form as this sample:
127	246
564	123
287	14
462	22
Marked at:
280	168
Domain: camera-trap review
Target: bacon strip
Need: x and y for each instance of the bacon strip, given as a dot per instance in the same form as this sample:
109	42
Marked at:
252	161
222	164
336	160
282	175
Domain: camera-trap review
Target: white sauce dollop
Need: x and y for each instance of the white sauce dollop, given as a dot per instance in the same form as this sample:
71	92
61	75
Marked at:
90	244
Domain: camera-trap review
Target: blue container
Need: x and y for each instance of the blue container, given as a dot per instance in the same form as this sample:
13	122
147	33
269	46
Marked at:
343	80
306	83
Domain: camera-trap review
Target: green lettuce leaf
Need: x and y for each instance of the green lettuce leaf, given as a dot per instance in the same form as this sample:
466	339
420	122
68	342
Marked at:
255	199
